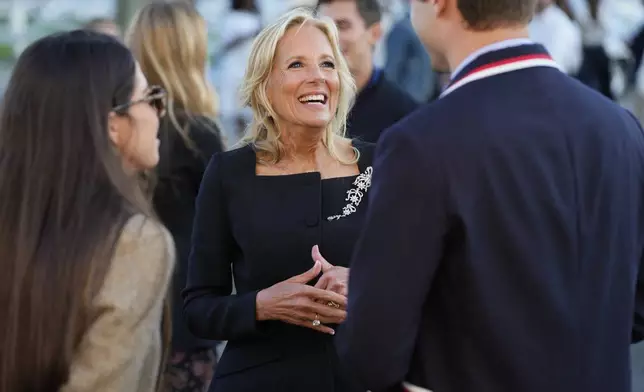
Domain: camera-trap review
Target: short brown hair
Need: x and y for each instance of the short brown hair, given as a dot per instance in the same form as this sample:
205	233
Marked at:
490	14
369	10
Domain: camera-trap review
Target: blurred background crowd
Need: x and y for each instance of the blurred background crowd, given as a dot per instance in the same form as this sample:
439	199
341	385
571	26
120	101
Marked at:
599	41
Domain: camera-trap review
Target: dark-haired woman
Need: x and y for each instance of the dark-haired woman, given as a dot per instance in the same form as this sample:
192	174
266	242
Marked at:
85	266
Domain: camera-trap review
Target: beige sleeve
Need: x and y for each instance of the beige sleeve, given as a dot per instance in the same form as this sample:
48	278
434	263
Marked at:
121	350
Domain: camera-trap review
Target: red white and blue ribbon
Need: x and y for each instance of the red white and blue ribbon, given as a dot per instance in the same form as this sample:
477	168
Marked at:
501	67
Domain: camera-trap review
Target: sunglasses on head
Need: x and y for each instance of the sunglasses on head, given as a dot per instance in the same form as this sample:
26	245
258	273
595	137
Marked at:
156	97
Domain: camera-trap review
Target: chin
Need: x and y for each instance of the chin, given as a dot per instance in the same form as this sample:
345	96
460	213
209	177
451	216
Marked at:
319	122
318	125
150	163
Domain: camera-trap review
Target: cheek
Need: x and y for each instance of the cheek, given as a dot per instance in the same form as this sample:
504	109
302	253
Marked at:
343	40
351	42
127	140
282	92
333	83
289	83
417	22
146	129
151	135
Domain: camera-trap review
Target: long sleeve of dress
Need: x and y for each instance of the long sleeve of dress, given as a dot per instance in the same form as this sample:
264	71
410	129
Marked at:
211	311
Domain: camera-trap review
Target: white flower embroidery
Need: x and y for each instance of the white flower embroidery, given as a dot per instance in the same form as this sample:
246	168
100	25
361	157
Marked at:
355	195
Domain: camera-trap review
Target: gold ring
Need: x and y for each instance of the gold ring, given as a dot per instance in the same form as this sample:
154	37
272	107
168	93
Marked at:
316	322
333	304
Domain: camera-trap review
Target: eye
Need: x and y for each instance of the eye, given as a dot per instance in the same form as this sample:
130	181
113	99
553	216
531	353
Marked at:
328	64
343	25
295	64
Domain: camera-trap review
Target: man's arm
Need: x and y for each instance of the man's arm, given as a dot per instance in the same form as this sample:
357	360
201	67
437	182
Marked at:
395	260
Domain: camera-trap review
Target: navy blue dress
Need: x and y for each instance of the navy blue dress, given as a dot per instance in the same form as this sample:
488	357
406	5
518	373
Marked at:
261	230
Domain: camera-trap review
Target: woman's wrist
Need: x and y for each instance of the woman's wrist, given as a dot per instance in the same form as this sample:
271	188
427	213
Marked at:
261	313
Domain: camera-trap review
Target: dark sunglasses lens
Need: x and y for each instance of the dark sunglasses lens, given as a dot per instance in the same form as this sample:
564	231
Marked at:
159	105
157	100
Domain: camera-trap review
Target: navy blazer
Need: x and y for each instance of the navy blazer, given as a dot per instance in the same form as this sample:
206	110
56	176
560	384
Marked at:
503	241
260	229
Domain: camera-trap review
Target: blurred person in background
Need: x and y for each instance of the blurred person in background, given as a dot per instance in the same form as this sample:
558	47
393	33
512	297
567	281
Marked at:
105	26
608	28
169	40
379	103
408	63
86	265
268	210
238	29
561	36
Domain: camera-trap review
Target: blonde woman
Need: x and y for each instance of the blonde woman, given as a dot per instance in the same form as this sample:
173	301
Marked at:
169	41
297	188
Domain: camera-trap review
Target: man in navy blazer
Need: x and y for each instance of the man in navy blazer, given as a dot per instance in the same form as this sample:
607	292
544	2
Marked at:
502	247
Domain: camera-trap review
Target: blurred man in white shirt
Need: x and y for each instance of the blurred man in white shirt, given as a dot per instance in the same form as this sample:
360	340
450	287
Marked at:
562	37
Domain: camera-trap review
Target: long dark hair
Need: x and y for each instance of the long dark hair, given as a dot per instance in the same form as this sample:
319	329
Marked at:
64	198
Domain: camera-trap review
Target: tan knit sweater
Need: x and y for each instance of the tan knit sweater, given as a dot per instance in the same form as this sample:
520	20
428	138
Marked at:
121	352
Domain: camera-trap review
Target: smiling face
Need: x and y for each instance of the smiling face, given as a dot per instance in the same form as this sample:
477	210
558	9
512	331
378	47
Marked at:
304	85
357	39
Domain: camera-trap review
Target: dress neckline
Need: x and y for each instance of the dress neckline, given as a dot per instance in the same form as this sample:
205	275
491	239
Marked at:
363	163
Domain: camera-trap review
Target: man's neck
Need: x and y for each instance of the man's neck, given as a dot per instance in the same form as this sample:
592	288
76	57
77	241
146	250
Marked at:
469	42
362	78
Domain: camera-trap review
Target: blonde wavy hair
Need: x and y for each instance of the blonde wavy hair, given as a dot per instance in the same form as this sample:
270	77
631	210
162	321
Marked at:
263	132
170	40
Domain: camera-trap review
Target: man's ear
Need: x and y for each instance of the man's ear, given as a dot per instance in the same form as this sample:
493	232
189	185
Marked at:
440	6
375	33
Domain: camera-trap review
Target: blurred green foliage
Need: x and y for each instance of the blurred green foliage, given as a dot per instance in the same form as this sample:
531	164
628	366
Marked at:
6	52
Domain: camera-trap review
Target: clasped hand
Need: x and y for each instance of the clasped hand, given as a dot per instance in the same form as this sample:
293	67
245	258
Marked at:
294	302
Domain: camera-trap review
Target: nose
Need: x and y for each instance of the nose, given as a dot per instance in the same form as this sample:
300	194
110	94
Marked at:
315	74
